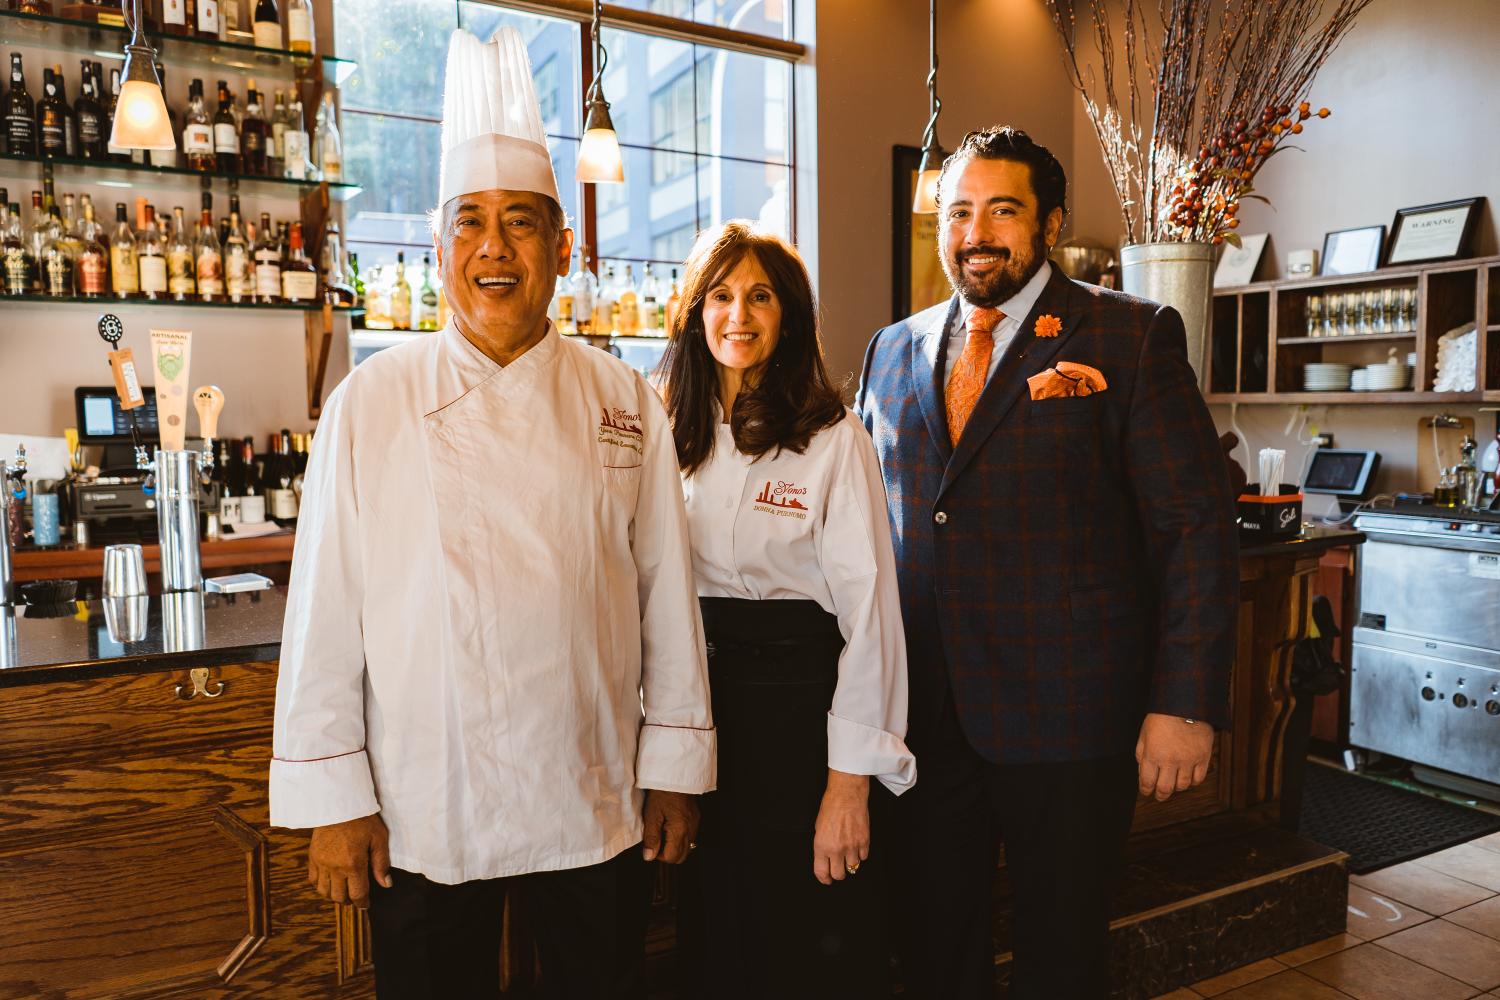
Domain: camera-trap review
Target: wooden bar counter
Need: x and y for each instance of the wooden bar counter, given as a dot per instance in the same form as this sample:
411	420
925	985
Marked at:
136	859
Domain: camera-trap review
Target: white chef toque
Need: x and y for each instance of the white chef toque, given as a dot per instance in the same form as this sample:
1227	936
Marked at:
492	125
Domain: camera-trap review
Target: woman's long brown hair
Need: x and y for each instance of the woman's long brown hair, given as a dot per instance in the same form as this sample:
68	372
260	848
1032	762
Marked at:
790	397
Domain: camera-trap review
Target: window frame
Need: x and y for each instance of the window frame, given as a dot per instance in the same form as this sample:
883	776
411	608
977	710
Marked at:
644	22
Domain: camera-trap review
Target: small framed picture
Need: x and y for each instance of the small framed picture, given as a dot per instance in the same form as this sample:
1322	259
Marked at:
1434	232
1237	264
1353	251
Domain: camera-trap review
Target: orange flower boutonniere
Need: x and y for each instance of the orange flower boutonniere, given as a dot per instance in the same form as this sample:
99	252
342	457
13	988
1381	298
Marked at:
1048	326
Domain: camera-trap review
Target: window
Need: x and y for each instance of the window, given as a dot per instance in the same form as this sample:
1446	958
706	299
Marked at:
705	132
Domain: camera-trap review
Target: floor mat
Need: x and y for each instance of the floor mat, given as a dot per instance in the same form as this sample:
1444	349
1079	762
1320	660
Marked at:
1379	825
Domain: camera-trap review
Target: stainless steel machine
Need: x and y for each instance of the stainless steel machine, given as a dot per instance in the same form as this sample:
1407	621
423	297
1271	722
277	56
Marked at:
1426	668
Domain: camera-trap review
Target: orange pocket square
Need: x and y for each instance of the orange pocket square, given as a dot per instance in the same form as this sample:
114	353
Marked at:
1067	379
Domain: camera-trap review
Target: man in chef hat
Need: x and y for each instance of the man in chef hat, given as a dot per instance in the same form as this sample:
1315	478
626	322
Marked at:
492	644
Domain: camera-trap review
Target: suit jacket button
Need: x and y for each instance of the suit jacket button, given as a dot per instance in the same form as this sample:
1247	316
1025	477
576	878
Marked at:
940	518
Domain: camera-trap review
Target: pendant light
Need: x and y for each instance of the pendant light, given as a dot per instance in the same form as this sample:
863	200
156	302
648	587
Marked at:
599	160
924	201
141	120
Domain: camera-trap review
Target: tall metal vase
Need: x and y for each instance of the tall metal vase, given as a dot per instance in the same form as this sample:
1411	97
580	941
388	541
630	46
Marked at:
1179	275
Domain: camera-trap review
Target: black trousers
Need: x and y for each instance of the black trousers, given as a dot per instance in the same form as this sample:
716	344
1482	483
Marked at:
753	922
1063	826
442	942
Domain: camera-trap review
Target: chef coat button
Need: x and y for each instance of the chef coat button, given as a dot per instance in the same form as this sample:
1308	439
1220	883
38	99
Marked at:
940	518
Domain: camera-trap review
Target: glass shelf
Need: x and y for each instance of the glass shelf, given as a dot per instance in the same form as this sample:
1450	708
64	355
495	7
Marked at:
108	303
110	173
178	54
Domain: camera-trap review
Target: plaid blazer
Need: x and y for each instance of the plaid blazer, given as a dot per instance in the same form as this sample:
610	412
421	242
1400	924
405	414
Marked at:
1072	563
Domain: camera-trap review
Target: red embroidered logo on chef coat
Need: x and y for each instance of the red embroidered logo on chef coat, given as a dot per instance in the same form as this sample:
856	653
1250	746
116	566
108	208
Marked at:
781	499
621	428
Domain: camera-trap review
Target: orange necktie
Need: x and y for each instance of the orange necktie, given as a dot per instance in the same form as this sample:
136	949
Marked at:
967	381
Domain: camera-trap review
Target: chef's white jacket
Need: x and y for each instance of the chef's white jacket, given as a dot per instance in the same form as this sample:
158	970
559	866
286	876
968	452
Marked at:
814	527
491	636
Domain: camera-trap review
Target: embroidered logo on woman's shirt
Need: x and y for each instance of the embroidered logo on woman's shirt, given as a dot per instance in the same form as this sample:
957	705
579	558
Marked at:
781	499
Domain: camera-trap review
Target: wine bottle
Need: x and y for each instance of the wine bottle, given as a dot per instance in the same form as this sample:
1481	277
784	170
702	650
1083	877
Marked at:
267	25
93	259
55	264
229	485
252	494
152	258
52	116
207	22
226	135
182	263
427	298
207	255
299	276
267	263
174	17
239	268
20	113
299	25
124	278
401	295
253	134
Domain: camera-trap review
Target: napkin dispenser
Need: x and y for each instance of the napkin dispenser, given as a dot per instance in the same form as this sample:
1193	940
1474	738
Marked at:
1270	518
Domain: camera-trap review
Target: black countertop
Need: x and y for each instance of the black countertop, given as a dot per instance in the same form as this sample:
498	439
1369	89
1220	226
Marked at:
86	639
1310	542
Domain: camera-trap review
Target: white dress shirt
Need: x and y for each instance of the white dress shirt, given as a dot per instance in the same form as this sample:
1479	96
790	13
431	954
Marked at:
1016	309
814	527
491	636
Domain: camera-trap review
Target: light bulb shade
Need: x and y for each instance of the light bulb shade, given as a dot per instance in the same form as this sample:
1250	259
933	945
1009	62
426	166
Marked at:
599	159
141	120
924	198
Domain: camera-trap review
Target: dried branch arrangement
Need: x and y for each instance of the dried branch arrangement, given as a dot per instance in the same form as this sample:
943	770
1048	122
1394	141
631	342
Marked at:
1209	90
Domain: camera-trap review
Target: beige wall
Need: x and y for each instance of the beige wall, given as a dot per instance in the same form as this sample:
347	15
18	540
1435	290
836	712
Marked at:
997	64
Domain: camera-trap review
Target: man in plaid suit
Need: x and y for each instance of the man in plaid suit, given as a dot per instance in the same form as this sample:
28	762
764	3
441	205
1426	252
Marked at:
1065	540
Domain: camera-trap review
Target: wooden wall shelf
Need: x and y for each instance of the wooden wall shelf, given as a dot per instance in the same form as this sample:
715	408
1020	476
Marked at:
1258	343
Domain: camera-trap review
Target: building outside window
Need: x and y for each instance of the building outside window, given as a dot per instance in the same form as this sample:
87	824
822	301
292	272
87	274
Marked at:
705	131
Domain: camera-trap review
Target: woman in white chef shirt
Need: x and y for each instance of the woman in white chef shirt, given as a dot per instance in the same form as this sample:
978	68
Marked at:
807	662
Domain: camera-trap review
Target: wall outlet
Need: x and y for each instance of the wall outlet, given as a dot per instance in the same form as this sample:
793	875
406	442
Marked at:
1323	440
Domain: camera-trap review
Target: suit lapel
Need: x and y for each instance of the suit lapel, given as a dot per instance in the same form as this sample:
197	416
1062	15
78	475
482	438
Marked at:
927	379
1026	355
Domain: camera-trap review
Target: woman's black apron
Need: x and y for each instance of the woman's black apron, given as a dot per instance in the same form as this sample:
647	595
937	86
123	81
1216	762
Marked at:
753	922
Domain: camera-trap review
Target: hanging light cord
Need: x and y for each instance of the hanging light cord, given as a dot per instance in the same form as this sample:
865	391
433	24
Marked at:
601	57
929	137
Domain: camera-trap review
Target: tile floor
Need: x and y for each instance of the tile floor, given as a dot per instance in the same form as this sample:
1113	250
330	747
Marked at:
1423	930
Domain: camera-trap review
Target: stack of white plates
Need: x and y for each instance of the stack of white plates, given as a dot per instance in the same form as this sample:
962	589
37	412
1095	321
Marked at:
1326	376
1386	378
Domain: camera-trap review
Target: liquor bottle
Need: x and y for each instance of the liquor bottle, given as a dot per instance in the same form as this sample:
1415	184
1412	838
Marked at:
378	300
52	116
267	263
182	263
337	291
239	268
629	322
41	231
253	134
674	303
20	265
90	116
206	24
151	258
166	157
93	259
252	494
330	145
427	298
280	497
175	17
299	276
226	136
123	276
356	282
20	113
274	155
267	25
401	296
294	142
69	237
232	20
198	132
117	153
299	25
227	471
606	306
207	257
299	464
562	303
585	289
54	264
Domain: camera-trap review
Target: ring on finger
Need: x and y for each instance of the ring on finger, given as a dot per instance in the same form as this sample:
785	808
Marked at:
852	869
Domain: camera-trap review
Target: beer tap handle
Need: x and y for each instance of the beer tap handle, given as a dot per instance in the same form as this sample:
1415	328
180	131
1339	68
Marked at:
208	400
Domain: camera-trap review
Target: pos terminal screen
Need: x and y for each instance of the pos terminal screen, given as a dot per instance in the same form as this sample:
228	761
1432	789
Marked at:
102	421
